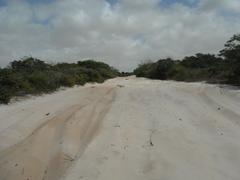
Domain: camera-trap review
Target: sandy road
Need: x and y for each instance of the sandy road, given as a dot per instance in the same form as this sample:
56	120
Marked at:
126	128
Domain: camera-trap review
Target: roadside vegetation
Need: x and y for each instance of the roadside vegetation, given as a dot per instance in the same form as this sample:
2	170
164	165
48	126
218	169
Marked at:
222	68
33	76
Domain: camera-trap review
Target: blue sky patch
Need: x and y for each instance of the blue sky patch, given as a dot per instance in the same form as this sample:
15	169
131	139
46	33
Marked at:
169	3
230	15
44	22
112	2
3	3
39	1
139	39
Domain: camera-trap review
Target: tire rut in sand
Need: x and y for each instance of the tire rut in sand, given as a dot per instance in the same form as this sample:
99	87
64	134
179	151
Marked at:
54	146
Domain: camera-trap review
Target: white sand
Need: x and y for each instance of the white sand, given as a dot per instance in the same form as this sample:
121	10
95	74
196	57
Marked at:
125	129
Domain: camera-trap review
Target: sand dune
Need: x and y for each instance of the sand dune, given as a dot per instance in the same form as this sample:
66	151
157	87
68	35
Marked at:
127	128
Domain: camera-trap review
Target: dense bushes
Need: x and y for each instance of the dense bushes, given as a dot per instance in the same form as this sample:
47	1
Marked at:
190	69
201	67
33	76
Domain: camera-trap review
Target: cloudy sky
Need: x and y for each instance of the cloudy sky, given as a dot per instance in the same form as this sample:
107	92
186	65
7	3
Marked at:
122	33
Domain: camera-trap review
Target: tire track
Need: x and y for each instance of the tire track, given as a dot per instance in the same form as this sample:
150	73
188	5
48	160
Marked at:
51	149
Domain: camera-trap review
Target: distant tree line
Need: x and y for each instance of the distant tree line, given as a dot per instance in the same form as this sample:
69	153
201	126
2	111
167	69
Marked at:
223	68
33	76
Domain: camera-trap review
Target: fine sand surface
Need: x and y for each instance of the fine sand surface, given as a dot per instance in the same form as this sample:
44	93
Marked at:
125	129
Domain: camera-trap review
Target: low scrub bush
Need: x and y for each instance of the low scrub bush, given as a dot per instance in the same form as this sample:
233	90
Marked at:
33	76
200	67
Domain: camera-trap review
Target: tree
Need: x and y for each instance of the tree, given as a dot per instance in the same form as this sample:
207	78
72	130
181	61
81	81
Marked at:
201	61
231	52
161	69
29	64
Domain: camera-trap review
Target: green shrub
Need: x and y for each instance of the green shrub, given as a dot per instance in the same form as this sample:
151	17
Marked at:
143	70
5	95
33	76
200	67
178	72
68	81
40	81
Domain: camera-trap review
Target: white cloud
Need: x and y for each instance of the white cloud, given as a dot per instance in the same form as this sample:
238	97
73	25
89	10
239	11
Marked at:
123	35
222	5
